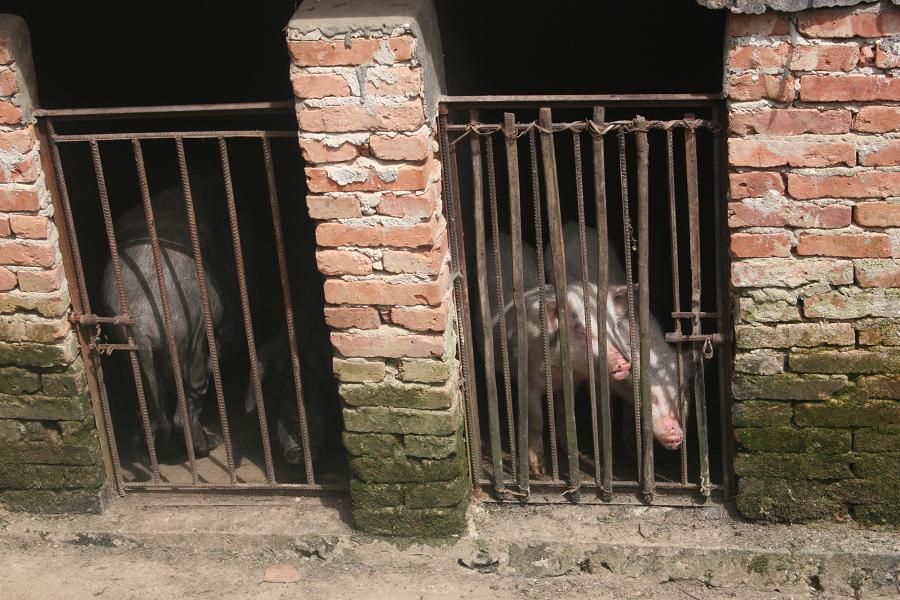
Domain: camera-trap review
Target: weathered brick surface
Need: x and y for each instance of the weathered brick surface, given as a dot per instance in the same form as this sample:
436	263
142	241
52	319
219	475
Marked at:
816	260
49	451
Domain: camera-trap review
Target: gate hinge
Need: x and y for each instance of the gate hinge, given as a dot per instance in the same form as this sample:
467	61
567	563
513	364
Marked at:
98	320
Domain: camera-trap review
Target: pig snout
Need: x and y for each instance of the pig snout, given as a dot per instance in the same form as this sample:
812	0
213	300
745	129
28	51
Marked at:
666	427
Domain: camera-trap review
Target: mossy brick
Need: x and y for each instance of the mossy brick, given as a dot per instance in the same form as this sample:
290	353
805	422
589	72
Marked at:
64	384
761	413
375	495
425	371
759	362
755	311
358	370
397	395
870	360
882	473
848	413
19	381
882	439
786	386
878	332
19	476
441	494
428	523
851	303
431	446
879	386
27	354
48	305
42	408
402	469
793	466
792	439
874	466
10	430
790	335
53	501
380	419
372	444
52	454
799	501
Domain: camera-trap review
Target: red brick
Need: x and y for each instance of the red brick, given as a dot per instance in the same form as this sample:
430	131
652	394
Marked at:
886	154
755	184
887	56
428	262
388	345
379	292
10	114
48	280
18	140
29	227
790	272
7	280
793	214
19	200
825	57
844	24
27	255
321	53
878	273
408	116
752	245
421	318
763	25
315	151
877	119
401	147
791	121
333	207
8	85
866	184
343	262
751	152
378	234
26	170
394	81
828	88
758	57
319	85
345	317
866	55
5	229
406	178
877	214
5	54
847	245
407	205
754	86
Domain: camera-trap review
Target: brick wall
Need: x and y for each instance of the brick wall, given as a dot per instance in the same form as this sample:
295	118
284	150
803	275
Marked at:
49	451
365	90
814	150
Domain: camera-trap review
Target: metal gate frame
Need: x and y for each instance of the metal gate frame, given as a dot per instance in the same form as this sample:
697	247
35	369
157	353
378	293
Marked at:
701	342
87	324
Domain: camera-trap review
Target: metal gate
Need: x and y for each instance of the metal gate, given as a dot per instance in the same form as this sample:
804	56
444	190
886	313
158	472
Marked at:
182	133
650	163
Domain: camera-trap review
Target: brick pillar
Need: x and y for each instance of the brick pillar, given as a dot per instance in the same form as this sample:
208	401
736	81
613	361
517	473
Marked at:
815	241
366	88
49	451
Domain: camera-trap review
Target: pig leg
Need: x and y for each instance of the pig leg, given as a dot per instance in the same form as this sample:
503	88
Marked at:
160	424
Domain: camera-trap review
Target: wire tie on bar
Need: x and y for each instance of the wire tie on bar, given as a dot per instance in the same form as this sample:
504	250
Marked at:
708	348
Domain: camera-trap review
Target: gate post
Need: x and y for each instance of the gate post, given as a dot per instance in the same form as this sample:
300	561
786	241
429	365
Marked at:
815	239
49	450
367	77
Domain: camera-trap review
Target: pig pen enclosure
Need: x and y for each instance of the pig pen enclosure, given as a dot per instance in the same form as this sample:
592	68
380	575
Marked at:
612	206
191	254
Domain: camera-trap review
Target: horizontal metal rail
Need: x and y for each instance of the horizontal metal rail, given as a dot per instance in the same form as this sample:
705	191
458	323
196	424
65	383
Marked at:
579	100
118	112
171	135
229	487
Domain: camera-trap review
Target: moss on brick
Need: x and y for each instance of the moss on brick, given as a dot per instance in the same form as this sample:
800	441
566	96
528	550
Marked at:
54	501
64	384
42	408
427	523
882	473
401	469
787	386
27	354
439	494
793	466
19	476
397	395
792	439
425	371
357	370
760	413
19	381
870	360
430	446
53	454
880	386
799	501
375	495
372	444
848	412
881	439
380	419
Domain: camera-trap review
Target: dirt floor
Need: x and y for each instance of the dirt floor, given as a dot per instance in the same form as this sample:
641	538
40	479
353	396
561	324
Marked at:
174	548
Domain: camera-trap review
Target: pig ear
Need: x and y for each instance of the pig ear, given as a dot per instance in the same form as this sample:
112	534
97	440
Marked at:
619	296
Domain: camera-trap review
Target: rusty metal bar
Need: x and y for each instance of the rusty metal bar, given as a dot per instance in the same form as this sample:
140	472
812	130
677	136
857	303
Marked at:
557	248
110	348
167	308
171	135
119	112
501	304
648	478
97	319
485	307
542	306
233	487
714	338
629	286
453	214
125	321
245	309
518	287
191	216
588	314
691	315
690	152
605	480
287	300
575	100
